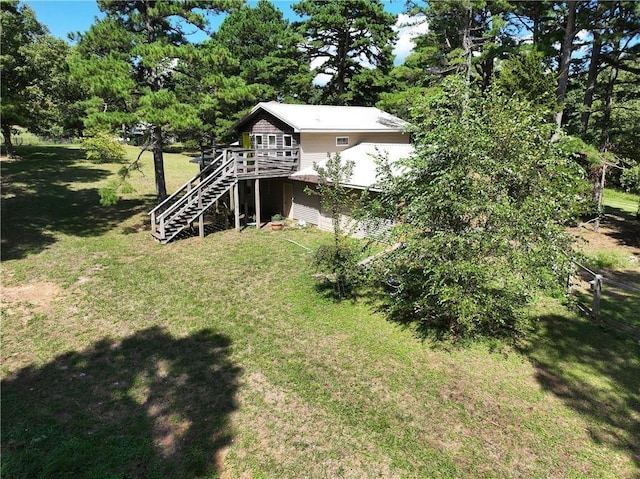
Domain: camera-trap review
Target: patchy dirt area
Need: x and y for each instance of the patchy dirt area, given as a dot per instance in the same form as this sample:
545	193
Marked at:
616	233
29	299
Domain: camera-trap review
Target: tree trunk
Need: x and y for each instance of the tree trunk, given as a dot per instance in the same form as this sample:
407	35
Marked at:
467	47
565	58
6	132
591	82
608	105
158	164
343	48
486	73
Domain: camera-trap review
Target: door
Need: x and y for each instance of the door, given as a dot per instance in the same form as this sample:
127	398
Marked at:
246	141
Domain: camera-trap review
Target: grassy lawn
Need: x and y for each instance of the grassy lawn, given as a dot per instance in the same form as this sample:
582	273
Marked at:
615	200
219	358
614	252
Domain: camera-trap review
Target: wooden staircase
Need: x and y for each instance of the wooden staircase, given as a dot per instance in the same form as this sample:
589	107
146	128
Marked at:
192	200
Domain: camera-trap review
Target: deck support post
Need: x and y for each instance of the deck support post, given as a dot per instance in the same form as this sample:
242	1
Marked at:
257	198
201	217
236	205
245	205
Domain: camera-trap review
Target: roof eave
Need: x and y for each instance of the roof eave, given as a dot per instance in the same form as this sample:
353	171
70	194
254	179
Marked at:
255	110
347	130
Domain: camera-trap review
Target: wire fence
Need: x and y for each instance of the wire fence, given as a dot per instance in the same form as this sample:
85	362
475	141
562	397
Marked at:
608	301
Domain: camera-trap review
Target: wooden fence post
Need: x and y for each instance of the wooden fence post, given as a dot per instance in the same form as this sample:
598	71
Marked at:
596	287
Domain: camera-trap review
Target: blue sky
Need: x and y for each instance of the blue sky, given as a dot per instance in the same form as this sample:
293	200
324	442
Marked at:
69	16
66	16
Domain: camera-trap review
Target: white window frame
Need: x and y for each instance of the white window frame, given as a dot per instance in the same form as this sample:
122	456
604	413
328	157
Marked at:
271	147
285	146
260	144
339	138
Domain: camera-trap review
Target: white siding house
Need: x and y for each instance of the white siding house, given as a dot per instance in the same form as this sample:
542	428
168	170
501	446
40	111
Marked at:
315	131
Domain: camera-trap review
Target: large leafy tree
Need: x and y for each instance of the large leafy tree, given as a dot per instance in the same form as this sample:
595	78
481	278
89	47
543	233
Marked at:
36	90
481	210
135	63
351	41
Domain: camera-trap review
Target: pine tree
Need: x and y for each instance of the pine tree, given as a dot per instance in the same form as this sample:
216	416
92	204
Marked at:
352	39
266	48
133	61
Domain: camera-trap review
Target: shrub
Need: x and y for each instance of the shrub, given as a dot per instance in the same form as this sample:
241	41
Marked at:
101	147
339	263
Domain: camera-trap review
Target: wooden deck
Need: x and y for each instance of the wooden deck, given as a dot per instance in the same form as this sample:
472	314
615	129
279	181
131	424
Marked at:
266	163
189	203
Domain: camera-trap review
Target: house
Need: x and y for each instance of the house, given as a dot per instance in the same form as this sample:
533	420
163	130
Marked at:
269	172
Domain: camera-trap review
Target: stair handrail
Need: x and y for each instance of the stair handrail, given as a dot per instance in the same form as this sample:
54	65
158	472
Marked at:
194	191
186	185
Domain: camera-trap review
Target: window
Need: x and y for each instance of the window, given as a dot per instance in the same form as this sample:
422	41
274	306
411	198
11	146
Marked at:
259	142
342	141
272	144
287	141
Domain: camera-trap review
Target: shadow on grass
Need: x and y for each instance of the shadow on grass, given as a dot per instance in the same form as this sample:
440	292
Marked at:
618	304
624	225
38	202
151	406
565	348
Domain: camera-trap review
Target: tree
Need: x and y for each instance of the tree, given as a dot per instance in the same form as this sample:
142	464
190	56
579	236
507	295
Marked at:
134	61
351	40
338	260
524	75
267	51
481	211
36	90
465	37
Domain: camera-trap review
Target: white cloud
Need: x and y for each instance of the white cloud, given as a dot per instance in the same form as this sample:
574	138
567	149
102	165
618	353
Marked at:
408	28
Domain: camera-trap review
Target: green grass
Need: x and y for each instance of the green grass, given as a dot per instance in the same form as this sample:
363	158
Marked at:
620	200
219	358
23	137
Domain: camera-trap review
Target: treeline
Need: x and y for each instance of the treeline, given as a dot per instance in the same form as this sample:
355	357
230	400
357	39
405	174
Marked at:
577	59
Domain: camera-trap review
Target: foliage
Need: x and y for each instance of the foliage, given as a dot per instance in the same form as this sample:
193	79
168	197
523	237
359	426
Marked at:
339	259
630	180
102	147
524	75
36	90
343	36
481	212
465	36
141	70
335	197
266	48
339	263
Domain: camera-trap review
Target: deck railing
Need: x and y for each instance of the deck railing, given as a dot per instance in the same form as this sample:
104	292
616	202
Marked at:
266	162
